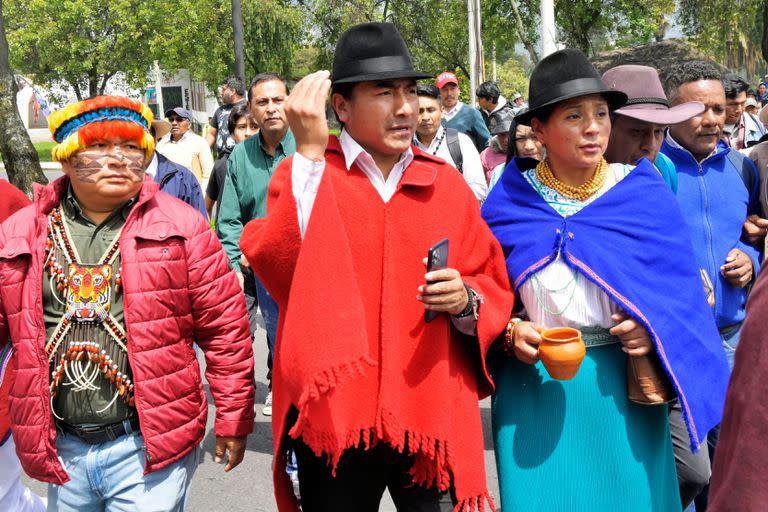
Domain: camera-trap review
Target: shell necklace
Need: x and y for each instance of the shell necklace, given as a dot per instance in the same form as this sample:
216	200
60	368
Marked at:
580	193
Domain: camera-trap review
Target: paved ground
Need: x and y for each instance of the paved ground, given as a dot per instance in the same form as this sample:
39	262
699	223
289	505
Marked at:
248	488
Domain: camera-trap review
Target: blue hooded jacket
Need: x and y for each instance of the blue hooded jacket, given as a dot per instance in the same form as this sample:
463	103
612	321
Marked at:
715	202
633	244
178	181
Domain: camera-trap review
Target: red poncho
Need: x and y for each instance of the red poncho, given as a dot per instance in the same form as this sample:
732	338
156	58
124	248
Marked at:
11	199
353	352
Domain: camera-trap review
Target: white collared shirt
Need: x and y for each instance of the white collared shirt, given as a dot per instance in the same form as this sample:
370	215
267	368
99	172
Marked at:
306	174
450	114
472	166
152	167
672	142
191	151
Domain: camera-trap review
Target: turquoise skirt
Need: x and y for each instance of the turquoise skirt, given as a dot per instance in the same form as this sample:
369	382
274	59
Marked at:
580	445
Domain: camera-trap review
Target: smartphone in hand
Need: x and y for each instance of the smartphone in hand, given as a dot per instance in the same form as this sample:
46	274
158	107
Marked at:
708	288
437	259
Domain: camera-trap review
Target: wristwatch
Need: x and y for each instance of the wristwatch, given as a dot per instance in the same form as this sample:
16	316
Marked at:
471	302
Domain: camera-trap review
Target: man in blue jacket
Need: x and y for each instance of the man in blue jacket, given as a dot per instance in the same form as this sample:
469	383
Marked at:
717	190
174	179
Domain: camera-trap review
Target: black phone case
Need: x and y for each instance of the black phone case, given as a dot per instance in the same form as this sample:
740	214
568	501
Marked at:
437	259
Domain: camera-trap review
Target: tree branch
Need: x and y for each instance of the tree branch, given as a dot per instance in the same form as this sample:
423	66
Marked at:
447	58
520	26
104	81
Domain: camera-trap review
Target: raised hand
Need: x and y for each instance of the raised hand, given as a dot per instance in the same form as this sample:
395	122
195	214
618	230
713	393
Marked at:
305	110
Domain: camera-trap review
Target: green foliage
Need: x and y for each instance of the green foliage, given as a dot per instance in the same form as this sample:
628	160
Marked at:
512	77
272	31
44	150
730	31
331	18
305	61
590	25
86	42
83	43
202	40
435	30
597	25
500	25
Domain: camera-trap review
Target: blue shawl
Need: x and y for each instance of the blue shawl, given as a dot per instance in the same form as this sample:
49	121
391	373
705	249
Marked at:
633	243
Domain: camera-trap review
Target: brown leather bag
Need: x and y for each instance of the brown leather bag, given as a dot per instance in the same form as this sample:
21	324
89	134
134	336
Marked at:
647	383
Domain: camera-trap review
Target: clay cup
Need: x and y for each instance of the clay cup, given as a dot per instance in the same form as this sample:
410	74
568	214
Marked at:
562	350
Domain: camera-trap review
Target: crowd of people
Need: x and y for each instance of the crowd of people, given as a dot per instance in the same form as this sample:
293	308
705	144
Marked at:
406	268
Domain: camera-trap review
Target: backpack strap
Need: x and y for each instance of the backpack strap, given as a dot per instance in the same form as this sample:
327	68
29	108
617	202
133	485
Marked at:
746	170
454	148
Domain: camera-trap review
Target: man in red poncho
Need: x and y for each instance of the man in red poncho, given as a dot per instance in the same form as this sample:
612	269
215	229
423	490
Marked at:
366	393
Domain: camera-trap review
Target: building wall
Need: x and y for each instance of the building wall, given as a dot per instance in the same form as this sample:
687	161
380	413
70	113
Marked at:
181	91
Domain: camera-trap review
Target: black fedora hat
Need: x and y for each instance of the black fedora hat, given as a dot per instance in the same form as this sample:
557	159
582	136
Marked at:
372	51
561	76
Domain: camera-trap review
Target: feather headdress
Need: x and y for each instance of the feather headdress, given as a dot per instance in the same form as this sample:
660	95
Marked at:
102	118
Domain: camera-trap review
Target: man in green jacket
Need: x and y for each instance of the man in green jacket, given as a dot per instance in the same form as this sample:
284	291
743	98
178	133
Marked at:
249	170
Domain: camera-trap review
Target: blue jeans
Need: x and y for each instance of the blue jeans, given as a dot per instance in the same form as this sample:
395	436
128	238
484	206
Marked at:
110	477
730	338
269	312
251	301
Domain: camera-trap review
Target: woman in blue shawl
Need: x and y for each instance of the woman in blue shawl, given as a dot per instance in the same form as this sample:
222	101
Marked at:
602	248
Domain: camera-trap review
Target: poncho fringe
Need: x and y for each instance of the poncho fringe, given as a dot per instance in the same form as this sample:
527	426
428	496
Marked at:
433	461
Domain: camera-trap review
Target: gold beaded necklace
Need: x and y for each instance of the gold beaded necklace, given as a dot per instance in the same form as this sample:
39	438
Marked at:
580	193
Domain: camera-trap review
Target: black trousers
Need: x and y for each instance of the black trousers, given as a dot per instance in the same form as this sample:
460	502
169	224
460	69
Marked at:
693	469
360	481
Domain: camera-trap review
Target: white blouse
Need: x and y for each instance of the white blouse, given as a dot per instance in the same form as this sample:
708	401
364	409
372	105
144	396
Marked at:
558	295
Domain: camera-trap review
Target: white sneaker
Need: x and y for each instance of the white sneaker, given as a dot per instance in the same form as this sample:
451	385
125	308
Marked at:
267	409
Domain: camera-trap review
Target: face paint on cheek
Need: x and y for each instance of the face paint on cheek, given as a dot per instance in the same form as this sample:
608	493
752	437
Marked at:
88	163
136	164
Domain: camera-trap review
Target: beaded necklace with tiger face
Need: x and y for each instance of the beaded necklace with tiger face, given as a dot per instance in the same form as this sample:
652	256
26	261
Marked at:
58	232
78	350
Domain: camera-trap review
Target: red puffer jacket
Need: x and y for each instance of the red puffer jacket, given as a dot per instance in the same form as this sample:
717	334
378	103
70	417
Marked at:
177	290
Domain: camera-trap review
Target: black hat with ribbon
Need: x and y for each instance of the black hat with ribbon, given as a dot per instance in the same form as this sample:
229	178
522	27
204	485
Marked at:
372	51
564	75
